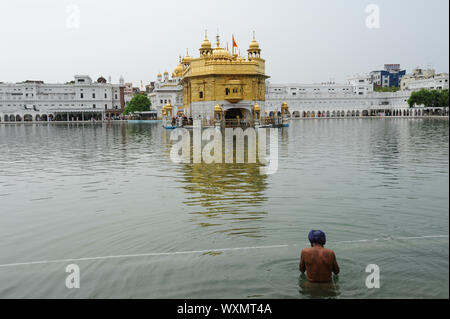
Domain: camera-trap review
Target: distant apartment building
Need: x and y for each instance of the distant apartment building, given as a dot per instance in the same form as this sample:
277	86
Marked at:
150	87
424	79
361	85
130	91
391	76
81	98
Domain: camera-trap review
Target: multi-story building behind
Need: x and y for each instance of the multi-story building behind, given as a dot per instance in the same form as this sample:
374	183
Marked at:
149	87
389	77
424	79
436	82
130	91
79	99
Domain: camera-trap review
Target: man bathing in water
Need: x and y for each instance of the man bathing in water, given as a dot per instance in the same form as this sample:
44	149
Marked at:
317	261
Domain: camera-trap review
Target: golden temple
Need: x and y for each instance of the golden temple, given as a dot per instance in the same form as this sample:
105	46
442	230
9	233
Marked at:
220	80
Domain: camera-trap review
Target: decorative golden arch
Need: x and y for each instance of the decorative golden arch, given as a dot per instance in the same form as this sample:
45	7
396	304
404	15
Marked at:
256	112
169	109
218	114
284	108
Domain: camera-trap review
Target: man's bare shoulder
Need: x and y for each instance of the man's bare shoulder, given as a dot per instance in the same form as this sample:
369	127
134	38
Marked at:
308	251
329	252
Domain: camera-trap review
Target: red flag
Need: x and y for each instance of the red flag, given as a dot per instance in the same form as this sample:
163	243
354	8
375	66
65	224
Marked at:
234	43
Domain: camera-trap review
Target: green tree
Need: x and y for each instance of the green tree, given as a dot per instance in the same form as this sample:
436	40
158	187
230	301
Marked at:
413	99
443	98
429	98
139	103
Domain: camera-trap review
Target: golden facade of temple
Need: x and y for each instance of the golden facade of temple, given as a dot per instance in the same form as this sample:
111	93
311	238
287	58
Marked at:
218	77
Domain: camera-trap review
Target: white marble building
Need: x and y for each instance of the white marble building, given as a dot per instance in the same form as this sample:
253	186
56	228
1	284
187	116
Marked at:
81	99
424	79
356	98
167	90
436	82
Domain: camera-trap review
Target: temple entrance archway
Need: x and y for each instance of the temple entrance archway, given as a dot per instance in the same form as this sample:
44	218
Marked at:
235	113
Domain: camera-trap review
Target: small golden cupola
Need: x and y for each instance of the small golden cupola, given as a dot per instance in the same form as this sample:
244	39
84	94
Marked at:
178	72
254	52
186	60
206	48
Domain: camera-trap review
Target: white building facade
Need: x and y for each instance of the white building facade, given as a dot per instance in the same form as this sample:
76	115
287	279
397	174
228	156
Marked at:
436	82
424	79
81	99
354	99
167	90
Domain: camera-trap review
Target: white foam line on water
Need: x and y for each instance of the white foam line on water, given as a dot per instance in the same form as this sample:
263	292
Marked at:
139	255
204	251
390	238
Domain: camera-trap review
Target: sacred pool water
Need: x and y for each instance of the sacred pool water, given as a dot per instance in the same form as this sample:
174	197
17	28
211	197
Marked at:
107	198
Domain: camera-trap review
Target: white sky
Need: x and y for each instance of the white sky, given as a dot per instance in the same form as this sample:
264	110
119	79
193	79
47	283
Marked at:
302	41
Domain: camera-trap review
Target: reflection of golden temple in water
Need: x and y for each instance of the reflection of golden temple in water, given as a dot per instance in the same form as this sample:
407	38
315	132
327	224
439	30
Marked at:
229	196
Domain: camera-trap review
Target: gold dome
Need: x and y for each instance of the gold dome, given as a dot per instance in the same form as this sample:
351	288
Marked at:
168	106
218	108
254	45
166	73
159	75
284	105
186	59
178	70
206	44
221	54
256	107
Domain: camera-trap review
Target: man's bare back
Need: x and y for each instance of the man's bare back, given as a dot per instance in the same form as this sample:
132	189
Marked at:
318	262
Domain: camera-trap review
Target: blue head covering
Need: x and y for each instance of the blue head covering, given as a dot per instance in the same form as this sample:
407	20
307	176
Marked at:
317	237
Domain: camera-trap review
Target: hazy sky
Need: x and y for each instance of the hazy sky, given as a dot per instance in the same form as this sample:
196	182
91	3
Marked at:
303	41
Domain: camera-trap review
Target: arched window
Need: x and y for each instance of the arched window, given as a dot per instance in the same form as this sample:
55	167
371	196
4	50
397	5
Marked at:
201	94
227	91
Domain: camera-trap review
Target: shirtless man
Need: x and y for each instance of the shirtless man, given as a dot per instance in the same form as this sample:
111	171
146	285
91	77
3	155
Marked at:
317	261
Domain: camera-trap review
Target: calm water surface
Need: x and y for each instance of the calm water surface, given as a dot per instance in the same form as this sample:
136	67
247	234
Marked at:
74	191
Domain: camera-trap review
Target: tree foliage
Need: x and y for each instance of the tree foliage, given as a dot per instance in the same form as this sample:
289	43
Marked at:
429	98
139	103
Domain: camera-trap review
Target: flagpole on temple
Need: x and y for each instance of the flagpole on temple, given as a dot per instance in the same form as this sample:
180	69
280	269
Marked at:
232	41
